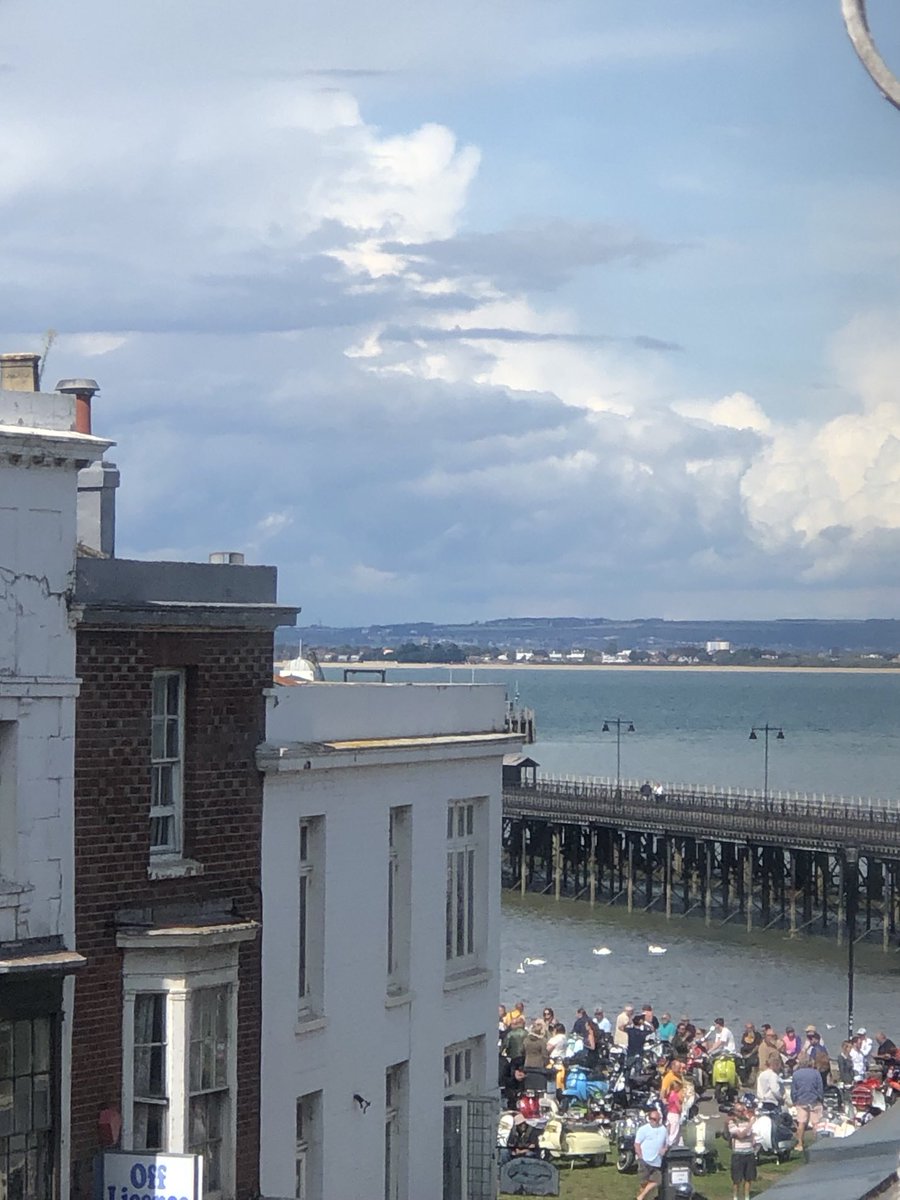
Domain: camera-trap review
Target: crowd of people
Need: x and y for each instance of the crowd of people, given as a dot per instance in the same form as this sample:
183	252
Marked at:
777	1067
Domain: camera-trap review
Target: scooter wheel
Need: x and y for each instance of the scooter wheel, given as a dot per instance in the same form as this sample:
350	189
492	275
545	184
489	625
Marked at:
597	1160
699	1166
626	1161
784	1156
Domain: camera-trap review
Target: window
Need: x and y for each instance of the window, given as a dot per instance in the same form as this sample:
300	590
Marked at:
208	1081
150	1089
8	815
309	1176
395	1127
311	919
463	1067
27	1141
399	899
461	847
167	762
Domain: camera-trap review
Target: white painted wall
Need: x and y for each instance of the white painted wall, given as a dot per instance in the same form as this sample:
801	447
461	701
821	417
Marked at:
362	1032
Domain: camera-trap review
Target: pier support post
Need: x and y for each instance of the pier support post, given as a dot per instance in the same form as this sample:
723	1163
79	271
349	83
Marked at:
885	906
841	896
557	862
629	883
748	886
793	927
707	897
523	861
667	869
592	867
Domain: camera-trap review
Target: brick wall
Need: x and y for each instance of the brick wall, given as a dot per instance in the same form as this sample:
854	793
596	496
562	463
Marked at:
225	721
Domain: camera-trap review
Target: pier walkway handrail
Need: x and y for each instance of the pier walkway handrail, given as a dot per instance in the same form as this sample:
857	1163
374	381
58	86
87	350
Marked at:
779	818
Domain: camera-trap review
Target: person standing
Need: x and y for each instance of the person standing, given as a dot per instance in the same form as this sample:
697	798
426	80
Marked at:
623	1020
743	1152
749	1050
807	1096
650	1143
769	1089
603	1023
671	1092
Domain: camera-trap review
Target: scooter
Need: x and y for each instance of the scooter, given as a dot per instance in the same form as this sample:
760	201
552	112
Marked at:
564	1141
725	1077
582	1086
868	1099
773	1132
698	1067
625	1129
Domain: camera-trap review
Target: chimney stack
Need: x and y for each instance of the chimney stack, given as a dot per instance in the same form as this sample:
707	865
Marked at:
84	391
230	558
20	372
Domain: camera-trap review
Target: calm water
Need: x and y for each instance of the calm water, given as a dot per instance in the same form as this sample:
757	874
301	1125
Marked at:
842	736
842	729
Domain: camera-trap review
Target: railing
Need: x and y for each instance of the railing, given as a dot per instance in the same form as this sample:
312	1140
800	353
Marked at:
699	810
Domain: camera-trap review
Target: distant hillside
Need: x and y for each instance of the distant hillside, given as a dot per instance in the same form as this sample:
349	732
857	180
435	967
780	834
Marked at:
880	636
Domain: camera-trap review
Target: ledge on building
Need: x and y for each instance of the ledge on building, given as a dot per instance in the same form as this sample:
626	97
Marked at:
309	1024
45	956
173	868
476	977
398	999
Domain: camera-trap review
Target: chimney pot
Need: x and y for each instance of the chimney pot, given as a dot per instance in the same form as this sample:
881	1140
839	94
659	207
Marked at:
84	391
231	558
20	372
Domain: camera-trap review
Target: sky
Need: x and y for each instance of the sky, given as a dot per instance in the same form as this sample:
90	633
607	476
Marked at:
468	310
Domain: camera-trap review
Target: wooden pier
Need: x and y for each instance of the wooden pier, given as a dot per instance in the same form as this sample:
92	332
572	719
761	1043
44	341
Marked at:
803	864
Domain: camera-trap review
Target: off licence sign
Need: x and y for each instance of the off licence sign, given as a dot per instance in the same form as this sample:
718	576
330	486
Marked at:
151	1176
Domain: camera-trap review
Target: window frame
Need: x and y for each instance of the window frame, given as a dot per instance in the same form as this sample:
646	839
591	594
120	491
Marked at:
396	1132
464	884
41	1141
310	930
174	813
399	898
308	1112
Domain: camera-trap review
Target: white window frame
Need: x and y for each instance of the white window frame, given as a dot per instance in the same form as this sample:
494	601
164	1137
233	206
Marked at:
464	1067
308	1146
178	971
311	918
464	909
399	898
396	1132
160	1102
169	763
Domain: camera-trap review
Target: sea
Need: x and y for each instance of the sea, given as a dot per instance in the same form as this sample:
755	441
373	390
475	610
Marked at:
841	738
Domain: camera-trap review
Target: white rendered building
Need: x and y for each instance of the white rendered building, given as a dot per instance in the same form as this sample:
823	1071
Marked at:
41	452
381	907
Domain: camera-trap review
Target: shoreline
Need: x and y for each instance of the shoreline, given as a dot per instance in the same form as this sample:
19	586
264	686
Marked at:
388	664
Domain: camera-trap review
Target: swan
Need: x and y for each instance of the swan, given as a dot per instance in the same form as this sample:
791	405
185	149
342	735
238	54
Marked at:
520	969
534	962
656	949
602	950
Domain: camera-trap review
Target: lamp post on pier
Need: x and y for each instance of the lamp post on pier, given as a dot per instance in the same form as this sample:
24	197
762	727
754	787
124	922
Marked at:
779	737
851	871
629	728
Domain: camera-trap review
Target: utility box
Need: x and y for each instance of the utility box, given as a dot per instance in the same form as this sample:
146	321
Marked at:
678	1180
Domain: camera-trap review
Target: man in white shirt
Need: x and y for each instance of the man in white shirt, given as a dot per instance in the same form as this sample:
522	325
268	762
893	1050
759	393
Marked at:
857	1059
866	1045
603	1023
720	1040
623	1021
769	1089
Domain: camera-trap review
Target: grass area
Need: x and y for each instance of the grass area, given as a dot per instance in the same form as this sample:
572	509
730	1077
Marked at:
605	1183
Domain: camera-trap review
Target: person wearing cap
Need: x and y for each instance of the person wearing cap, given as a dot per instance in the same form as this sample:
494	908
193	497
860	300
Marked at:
815	1055
523	1140
857	1059
812	1033
602	1022
743	1152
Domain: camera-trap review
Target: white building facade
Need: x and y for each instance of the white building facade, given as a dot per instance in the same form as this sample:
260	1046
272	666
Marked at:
40	456
381	909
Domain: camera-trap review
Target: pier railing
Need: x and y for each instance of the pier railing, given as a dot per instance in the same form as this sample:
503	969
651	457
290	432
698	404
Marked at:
778	818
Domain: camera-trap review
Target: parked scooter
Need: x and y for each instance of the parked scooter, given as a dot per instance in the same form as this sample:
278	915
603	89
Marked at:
698	1067
868	1099
773	1131
624	1130
570	1142
725	1077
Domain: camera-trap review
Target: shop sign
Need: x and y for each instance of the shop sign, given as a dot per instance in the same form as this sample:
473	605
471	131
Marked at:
150	1176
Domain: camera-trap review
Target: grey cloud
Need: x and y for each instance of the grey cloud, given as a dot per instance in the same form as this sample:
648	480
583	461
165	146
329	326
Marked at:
541	257
426	333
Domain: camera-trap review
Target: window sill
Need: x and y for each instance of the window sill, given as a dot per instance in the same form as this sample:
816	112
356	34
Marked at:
173	868
474	977
398	999
309	1024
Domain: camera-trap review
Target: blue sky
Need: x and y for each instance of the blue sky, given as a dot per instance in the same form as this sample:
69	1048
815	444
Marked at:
460	311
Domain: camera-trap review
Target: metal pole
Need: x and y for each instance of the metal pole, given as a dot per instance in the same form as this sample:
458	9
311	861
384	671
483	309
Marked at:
852	857
618	758
766	768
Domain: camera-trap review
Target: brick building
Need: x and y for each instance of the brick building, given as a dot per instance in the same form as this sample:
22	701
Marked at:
174	661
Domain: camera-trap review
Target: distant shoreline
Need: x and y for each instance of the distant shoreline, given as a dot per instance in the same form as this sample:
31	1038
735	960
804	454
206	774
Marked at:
704	668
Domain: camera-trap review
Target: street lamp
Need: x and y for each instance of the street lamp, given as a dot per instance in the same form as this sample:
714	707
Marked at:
629	728
779	737
851	870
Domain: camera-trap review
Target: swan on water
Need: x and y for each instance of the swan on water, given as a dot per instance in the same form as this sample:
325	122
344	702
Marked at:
602	950
656	949
534	962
